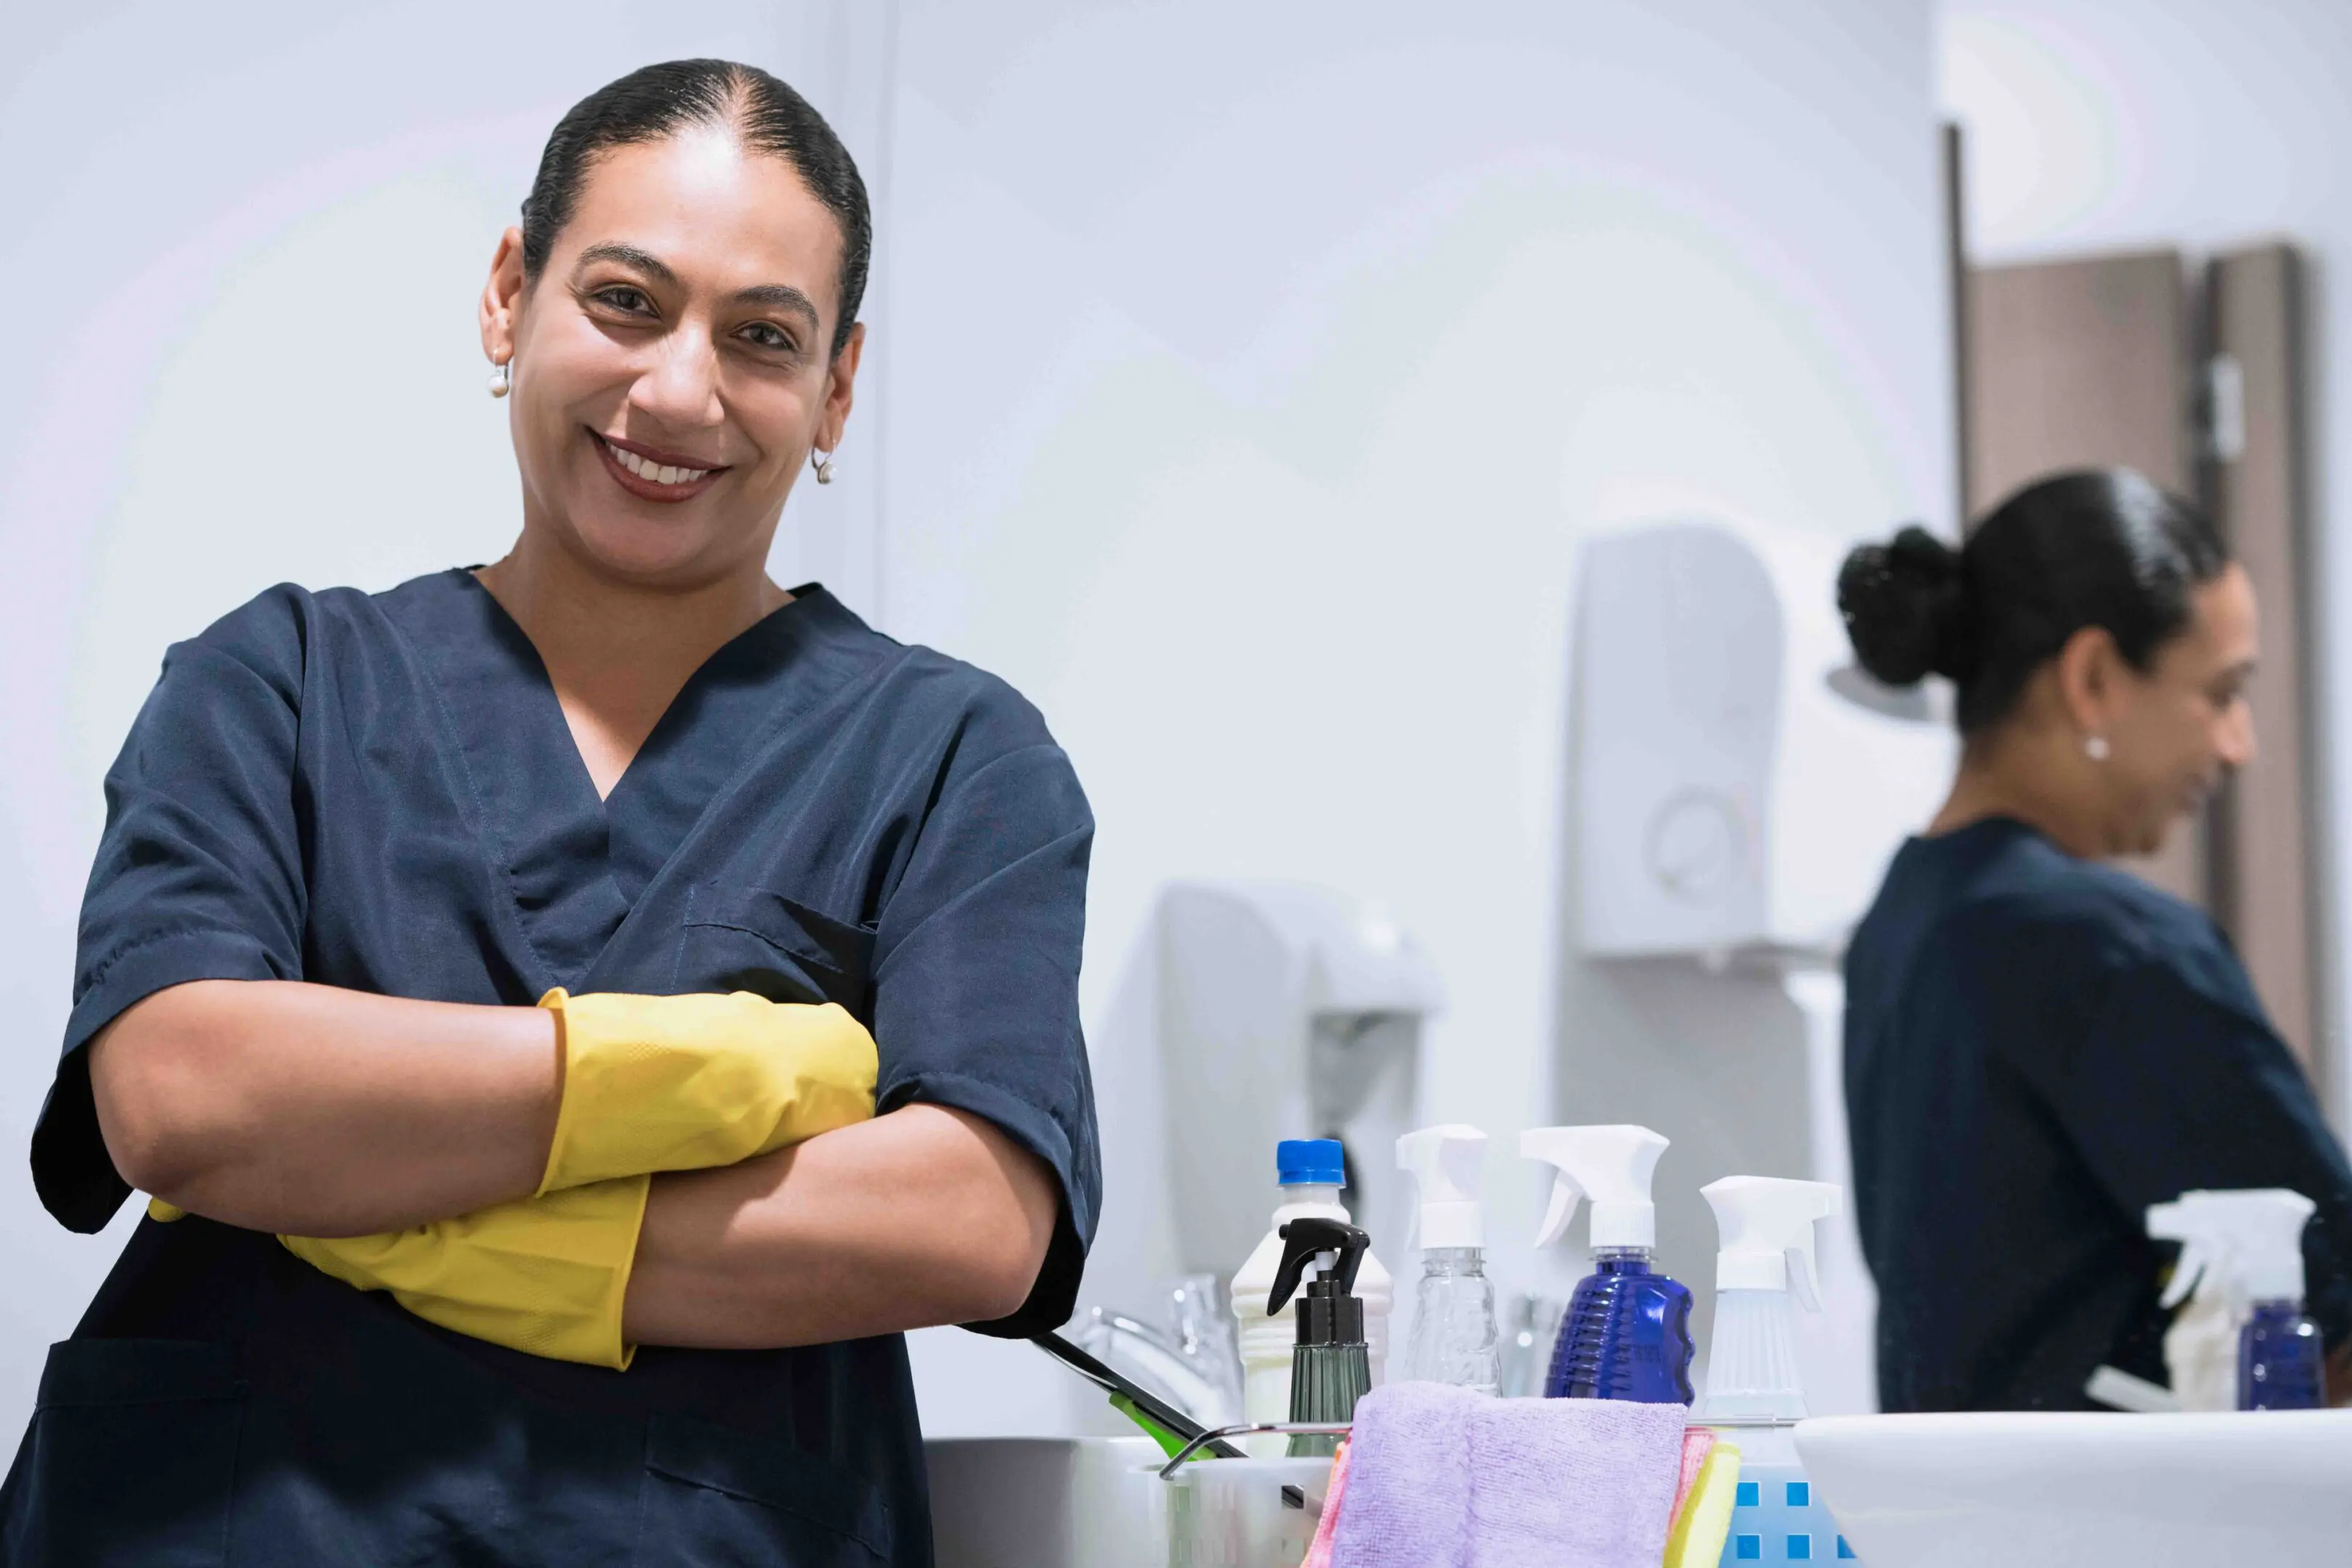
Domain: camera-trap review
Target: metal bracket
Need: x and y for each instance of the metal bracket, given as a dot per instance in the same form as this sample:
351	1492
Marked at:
1247	1429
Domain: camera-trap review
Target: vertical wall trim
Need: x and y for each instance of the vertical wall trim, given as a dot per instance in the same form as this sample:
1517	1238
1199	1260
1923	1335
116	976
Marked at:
1956	259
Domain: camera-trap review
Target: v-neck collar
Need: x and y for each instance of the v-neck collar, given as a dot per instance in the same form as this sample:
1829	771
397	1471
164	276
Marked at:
574	865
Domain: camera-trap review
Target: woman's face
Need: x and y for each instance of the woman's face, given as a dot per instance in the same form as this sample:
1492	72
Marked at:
672	364
2173	731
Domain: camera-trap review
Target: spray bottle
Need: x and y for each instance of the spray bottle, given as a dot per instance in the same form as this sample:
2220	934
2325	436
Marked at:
2200	1348
1755	1393
2255	1238
1627	1333
1453	1334
1310	1172
1330	1365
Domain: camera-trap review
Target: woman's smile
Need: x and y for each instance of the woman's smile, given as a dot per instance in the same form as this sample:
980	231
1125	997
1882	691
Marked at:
651	474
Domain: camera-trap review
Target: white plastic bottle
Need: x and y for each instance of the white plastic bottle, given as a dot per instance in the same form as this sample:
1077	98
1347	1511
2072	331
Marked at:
1454	1333
1311	1171
2200	1348
1755	1395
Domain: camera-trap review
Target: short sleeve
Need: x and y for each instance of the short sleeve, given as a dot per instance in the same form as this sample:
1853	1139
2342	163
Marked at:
2171	1090
198	874
976	987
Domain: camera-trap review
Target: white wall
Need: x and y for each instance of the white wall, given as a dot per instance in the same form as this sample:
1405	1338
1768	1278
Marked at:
2092	125
243	248
1256	369
1243	379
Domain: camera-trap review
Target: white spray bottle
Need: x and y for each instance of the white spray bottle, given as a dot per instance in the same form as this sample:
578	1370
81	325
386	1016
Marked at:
1755	1393
1766	1225
2200	1348
1453	1334
2251	1240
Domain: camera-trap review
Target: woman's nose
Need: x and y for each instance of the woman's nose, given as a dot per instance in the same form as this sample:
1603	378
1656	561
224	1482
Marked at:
681	389
2236	740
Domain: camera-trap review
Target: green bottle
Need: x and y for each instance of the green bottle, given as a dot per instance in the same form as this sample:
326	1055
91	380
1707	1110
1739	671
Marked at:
1331	1364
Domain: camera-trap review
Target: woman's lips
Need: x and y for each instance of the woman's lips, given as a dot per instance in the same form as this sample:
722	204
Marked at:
640	476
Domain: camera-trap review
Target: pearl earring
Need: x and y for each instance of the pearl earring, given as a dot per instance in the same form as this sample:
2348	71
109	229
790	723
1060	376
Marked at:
2096	748
501	378
823	463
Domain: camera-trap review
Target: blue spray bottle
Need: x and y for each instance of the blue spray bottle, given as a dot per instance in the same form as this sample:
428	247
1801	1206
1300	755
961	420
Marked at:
2253	1239
1627	1332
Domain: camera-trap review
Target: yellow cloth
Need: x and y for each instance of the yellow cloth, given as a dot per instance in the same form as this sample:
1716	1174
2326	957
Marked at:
669	1084
543	1275
1696	1540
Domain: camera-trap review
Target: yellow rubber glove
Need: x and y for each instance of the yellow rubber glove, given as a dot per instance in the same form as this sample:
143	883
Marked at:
673	1083
543	1275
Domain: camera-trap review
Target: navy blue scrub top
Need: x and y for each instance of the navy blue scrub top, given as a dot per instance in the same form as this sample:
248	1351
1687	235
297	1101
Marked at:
380	792
2038	1048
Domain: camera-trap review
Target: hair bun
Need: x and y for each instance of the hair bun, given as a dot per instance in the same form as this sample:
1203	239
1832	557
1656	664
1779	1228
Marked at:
1905	604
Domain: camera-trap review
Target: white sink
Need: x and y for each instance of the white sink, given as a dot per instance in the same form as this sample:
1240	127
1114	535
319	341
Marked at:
1047	1503
2270	1490
1098	1502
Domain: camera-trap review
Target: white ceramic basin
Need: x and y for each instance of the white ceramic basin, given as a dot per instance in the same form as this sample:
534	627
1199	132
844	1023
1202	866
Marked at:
2057	1491
1047	1503
1098	1502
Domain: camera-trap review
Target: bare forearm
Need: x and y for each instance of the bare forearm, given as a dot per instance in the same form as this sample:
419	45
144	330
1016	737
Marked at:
923	1217
307	1108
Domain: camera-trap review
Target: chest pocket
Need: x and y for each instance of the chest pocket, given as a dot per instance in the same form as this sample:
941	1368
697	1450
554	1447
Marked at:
752	939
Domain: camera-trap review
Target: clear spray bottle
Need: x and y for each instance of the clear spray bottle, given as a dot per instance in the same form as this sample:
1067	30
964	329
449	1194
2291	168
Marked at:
1453	1334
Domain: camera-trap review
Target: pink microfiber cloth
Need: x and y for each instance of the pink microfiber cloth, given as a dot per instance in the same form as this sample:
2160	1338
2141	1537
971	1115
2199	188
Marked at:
1318	1551
1697	1444
1438	1478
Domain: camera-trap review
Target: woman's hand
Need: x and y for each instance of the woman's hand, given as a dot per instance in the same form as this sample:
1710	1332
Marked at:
315	1110
924	1217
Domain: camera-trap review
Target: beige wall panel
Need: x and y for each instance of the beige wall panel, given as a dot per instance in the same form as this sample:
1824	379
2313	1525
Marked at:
2074	364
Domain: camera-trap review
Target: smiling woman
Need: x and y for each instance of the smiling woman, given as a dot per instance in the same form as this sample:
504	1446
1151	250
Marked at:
433	1273
2039	1046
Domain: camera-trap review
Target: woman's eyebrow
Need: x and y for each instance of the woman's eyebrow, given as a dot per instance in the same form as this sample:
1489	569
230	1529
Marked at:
644	261
781	296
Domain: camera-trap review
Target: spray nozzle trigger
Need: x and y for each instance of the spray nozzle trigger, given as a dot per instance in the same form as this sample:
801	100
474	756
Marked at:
1609	1164
1447	1163
2170	1222
2242	1244
1804	1278
1561	1209
1767	1227
1304	1241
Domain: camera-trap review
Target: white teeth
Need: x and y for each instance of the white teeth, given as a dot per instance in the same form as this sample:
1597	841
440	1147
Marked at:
659	474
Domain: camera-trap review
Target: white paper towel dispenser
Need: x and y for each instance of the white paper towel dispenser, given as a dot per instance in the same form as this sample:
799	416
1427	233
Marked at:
1742	784
1285	1012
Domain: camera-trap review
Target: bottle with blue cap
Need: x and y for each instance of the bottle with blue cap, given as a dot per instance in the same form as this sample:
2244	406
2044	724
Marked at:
1310	1172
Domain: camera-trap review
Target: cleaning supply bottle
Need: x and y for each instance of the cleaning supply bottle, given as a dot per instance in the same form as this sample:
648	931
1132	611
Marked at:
2200	1348
1765	1226
1755	1393
1330	1366
2252	1241
1453	1334
1627	1333
1311	1172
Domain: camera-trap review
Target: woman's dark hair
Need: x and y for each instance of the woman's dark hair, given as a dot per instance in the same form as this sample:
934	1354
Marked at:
655	102
2104	547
